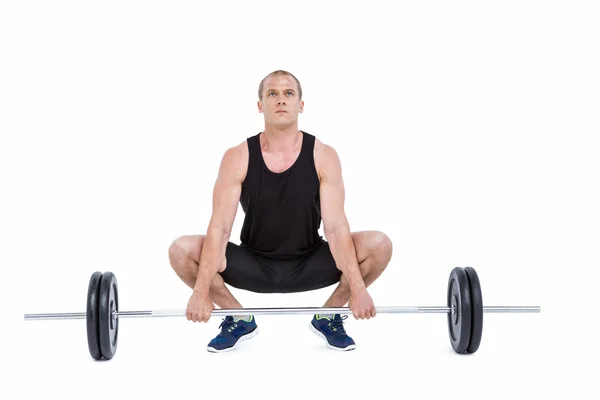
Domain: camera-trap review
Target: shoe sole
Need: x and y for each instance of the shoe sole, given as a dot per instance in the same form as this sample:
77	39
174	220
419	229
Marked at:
241	339
319	334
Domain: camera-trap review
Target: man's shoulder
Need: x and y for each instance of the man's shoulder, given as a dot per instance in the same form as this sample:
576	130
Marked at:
235	159
326	157
238	149
325	151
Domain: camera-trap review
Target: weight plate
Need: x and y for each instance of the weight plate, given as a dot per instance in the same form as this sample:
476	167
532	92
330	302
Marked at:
109	324
476	310
459	296
92	318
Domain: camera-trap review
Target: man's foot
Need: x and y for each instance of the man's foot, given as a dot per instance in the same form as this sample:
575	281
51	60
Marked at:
233	332
332	330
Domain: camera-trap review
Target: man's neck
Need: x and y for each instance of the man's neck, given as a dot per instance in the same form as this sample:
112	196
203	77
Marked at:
280	140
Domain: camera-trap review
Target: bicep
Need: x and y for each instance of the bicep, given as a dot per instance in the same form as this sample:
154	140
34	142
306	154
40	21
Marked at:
226	192
332	193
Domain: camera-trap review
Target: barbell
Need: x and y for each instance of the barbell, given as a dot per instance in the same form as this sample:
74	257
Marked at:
464	309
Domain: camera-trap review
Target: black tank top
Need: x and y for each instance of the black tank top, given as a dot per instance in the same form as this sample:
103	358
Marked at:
283	210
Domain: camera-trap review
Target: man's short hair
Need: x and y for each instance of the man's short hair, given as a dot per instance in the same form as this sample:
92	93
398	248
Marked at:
274	73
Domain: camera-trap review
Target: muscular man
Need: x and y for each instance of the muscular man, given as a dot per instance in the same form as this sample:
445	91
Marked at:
287	181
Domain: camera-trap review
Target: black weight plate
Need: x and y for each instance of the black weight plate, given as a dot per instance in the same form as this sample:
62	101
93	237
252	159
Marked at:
459	324
109	303
476	310
92	318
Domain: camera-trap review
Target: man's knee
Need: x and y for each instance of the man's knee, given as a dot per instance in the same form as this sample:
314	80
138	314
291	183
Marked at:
186	248
383	248
183	248
175	252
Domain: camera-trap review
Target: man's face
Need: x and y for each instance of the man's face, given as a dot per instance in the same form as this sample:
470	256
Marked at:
280	103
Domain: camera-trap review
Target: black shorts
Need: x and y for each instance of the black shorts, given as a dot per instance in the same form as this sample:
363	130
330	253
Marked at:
249	271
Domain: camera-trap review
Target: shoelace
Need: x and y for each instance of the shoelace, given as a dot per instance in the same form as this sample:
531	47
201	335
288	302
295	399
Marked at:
337	325
228	325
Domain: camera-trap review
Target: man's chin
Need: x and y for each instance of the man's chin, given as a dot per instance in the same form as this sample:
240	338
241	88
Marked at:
281	125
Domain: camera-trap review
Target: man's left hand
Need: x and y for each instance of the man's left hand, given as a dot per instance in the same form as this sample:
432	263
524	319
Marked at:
361	305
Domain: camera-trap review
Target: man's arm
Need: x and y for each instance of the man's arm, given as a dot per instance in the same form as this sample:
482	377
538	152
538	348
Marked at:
335	223
226	196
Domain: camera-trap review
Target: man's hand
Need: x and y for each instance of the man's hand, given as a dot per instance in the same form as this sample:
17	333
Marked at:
361	305
199	308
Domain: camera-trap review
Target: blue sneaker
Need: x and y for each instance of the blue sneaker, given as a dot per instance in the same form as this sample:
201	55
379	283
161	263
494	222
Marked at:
332	330
233	332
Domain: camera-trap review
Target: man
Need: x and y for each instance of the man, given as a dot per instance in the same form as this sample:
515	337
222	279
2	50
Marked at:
286	181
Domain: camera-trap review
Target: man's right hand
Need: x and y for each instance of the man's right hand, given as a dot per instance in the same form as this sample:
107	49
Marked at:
199	308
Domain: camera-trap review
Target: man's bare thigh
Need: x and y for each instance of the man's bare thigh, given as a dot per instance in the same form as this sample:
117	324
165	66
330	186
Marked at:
192	245
365	242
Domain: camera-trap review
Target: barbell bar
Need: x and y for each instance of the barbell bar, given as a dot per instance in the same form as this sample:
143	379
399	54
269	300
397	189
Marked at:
464	311
284	311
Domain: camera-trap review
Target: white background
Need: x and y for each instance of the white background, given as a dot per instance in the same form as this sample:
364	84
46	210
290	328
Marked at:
467	131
